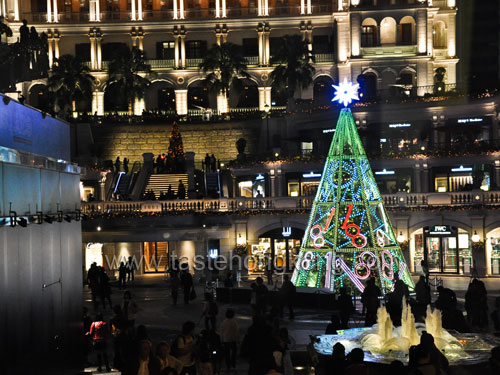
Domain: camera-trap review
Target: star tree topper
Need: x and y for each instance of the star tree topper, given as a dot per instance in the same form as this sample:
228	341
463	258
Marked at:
345	92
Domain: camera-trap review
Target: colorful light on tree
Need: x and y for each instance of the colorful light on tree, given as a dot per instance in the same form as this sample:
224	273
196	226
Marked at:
349	237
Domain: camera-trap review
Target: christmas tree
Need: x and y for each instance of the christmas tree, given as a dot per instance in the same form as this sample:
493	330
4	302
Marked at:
349	237
175	155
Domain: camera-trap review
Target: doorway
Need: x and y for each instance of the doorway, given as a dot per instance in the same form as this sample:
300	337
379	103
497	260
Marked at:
156	256
441	249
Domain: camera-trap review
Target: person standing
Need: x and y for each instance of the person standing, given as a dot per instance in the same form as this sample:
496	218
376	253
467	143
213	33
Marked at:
213	164
104	288
288	292
207	163
166	360
117	164
260	296
230	335
175	282
99	334
181	191
93	283
130	269
346	307
187	285
125	165
185	348
24	32
130	309
423	291
122	276
210	311
370	301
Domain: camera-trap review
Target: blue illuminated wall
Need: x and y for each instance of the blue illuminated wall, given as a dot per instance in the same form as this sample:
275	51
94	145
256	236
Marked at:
26	129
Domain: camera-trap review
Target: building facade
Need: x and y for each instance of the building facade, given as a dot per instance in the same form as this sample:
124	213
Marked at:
392	44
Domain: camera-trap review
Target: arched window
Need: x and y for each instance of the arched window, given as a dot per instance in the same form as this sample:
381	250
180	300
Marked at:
439	35
407	30
369	33
388	31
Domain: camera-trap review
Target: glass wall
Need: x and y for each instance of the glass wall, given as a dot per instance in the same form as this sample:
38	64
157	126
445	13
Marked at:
493	252
261	255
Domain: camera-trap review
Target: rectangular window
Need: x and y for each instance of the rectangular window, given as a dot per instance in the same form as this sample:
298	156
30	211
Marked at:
368	36
441	184
406	34
245	188
306	147
82	50
165	50
250	47
195	49
321	44
293	189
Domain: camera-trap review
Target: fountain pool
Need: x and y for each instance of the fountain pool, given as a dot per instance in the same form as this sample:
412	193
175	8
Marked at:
384	343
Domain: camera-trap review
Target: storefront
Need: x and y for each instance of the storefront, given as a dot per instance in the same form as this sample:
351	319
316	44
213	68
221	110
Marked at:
461	178
303	184
446	249
279	246
252	186
493	252
390	181
156	256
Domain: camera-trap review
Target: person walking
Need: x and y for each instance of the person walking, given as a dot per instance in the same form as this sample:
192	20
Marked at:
99	335
122	276
230	335
93	283
288	292
184	348
104	288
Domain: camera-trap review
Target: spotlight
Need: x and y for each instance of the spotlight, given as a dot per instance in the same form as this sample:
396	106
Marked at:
67	218
48	219
98	229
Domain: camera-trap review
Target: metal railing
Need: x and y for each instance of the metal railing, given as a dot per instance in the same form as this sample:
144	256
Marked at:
403	200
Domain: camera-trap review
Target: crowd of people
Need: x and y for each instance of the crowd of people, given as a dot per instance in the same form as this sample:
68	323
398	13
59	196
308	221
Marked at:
266	344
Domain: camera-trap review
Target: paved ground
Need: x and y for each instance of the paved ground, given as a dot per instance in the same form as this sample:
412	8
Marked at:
164	320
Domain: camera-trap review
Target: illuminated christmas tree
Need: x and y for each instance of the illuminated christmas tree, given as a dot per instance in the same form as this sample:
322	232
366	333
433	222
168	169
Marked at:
175	154
349	237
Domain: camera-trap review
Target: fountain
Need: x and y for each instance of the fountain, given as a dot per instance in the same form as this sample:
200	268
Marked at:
384	343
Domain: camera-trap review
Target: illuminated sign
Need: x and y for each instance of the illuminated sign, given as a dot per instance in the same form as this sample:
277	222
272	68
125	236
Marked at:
311	175
213	253
384	172
287	231
259	177
440	230
383	140
462	169
400	125
325	131
469	120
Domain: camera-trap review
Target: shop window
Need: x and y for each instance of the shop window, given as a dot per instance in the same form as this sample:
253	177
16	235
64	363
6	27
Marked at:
418	253
245	188
441	184
293	189
306	148
252	189
309	189
459	183
88	194
486	183
493	251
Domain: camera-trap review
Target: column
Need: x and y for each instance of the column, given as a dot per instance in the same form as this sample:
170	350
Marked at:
175	9
340	6
217	9
139	106
181	9
132	9
309	8
97	11
49	11
183	50
55	16
140	39
451	35
176	52
264	98
98	102
259	7
93	62
56	45
355	34
98	52
302	7
343	38
261	47
222	106
16	10
224	11
181	102
139	10
425	182
421	78
422	30
497	173
266	33
94	102
92	10
416	179
268	96
266	7
51	53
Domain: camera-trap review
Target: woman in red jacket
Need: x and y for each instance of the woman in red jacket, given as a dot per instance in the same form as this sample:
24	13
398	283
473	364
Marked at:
99	333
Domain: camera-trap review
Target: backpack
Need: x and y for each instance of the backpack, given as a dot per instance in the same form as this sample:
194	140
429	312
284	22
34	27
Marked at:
213	310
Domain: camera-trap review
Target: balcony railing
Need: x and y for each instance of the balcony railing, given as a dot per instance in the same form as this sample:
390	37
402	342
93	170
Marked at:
401	200
389	51
161	64
168	14
320	58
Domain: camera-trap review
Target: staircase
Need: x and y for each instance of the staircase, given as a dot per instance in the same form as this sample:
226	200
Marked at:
212	183
160	182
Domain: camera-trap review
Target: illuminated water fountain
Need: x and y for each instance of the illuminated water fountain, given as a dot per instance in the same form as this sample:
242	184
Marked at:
384	343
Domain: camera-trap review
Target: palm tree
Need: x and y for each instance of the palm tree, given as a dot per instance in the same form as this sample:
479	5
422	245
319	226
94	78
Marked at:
69	82
127	73
224	66
293	67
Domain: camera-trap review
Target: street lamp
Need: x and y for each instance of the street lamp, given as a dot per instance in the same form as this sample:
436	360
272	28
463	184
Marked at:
475	237
401	238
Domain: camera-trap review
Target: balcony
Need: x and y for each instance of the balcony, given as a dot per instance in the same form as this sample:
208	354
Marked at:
389	51
168	14
324	58
422	201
